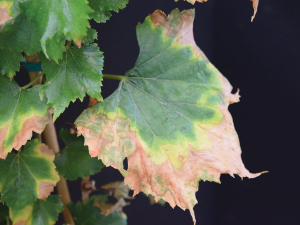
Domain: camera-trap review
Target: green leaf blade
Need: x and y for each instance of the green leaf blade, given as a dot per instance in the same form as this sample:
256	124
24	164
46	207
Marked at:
91	36
31	174
102	9
40	213
56	19
20	35
78	73
10	62
74	160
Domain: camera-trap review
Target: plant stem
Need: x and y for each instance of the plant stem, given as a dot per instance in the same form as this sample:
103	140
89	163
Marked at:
113	76
33	82
52	142
62	186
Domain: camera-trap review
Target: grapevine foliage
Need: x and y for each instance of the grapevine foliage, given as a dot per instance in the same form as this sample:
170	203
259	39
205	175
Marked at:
74	160
169	115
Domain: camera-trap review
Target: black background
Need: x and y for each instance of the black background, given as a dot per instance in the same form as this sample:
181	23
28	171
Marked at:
262	60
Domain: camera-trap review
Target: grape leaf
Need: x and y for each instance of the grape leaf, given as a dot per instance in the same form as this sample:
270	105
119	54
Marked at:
74	160
20	35
255	5
102	9
40	213
78	72
21	112
91	36
3	214
56	19
27	176
10	62
88	214
169	116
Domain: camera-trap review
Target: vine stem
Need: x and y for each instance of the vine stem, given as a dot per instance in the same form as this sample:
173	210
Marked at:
113	76
52	142
33	82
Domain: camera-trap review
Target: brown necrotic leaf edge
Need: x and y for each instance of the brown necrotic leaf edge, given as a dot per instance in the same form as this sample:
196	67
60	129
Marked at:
36	124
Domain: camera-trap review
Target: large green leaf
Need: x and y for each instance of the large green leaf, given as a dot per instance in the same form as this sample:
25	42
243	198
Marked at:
10	62
56	19
74	160
78	72
20	35
169	116
40	213
102	8
88	214
21	112
27	176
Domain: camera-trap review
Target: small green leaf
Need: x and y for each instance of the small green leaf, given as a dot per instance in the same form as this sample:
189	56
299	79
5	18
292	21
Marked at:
10	62
74	160
4	215
102	8
78	72
20	35
40	213
88	214
21	112
27	176
91	36
56	19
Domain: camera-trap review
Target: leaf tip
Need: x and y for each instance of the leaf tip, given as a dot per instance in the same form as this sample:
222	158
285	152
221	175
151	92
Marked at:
78	43
255	6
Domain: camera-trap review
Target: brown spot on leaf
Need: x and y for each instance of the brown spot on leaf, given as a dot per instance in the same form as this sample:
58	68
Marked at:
78	43
45	189
4	16
46	150
93	101
3	154
20	223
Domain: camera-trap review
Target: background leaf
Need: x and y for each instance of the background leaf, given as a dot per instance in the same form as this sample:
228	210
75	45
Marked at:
87	214
21	112
91	36
27	176
74	160
102	9
78	72
10	62
40	213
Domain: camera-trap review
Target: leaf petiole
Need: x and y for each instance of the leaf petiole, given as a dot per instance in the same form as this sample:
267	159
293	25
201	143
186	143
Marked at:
113	76
34	80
